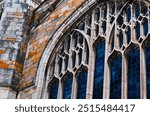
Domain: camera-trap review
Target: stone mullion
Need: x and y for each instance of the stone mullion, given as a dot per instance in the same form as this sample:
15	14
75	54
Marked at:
56	68
60	90
143	92
46	92
90	79
45	95
116	34
77	59
133	35
106	82
63	65
70	55
124	77
74	87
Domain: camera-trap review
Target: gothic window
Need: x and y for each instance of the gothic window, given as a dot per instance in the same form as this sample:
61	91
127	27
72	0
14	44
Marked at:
67	86
95	50
133	58
99	70
116	74
82	84
147	52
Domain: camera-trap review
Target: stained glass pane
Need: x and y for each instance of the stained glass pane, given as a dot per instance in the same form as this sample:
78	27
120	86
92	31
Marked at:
82	84
67	87
137	10
134	73
147	52
145	26
54	90
128	35
120	39
137	31
99	71
116	74
128	14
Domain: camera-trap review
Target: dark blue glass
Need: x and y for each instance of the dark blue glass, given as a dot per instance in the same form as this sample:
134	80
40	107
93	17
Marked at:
147	53
87	54
54	90
112	43
144	10
66	62
75	39
67	86
105	10
137	10
68	43
80	56
128	14
116	74
80	39
60	65
73	59
145	25
137	31
128	35
97	30
82	84
134	73
99	71
97	14
104	26
120	39
113	9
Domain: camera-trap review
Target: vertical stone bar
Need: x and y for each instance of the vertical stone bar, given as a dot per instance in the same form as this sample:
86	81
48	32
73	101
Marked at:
142	74
89	92
74	88
106	83
124	78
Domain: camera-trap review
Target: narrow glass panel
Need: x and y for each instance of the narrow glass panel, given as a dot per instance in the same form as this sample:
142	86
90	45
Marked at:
147	52
128	13
116	74
120	39
67	87
137	10
54	90
99	71
134	73
137	31
80	56
145	26
82	84
128	35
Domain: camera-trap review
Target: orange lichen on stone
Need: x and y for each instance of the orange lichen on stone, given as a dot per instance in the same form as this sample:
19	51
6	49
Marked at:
5	66
2	51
